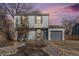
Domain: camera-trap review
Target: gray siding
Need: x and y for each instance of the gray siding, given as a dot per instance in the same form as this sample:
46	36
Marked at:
45	22
31	20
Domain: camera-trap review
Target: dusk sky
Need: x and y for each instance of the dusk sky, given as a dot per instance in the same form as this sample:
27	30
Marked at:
58	11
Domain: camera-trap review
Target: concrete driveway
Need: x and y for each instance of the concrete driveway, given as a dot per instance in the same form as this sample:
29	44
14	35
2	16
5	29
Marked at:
63	48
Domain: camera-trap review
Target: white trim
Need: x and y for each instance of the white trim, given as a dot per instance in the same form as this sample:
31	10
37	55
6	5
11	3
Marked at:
49	30
16	35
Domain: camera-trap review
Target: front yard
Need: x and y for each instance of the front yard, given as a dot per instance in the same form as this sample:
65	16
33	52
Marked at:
42	48
66	48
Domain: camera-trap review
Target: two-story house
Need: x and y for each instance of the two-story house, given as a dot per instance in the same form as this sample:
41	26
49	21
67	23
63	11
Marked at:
36	23
36	27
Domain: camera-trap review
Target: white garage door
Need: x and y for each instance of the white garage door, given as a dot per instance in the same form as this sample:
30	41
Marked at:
56	35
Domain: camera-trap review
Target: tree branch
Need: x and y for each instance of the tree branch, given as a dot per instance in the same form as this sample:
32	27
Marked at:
8	10
17	7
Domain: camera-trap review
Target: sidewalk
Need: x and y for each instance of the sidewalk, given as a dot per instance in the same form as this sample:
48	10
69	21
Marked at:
4	51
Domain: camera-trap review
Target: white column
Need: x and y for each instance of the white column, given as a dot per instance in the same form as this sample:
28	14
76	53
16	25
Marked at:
16	35
63	32
49	34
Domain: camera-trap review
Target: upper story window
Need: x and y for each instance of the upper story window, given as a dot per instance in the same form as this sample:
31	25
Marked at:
38	19
24	20
17	21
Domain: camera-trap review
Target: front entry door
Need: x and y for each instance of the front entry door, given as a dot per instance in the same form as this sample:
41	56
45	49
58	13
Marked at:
38	34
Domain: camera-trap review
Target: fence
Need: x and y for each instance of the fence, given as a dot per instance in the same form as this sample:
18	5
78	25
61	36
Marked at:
71	37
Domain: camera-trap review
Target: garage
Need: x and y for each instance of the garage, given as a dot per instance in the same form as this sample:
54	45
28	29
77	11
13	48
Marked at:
56	34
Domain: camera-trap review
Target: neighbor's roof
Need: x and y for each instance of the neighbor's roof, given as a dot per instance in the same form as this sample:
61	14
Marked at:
31	14
56	26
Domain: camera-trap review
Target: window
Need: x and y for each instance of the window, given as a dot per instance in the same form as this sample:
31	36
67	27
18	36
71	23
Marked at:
16	22
38	19
24	20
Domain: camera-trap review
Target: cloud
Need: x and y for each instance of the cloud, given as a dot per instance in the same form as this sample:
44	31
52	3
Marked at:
54	19
57	12
74	7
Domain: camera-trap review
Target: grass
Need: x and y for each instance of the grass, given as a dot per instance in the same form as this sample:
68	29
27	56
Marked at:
72	37
68	47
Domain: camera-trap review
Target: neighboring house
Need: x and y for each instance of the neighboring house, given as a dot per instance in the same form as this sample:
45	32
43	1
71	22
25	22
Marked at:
75	29
38	26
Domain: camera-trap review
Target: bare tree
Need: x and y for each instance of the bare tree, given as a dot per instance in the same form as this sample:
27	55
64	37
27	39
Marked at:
15	8
18	8
68	24
4	23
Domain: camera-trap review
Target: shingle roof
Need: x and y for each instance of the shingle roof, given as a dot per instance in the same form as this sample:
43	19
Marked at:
56	26
31	14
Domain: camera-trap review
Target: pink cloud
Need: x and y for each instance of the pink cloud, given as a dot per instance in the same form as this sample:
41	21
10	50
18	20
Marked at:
58	10
53	19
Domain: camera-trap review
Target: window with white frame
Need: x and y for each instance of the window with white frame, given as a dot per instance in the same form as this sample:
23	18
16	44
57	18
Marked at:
38	19
24	20
17	21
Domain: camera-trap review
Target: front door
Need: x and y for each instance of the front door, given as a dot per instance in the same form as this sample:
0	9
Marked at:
45	35
38	34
